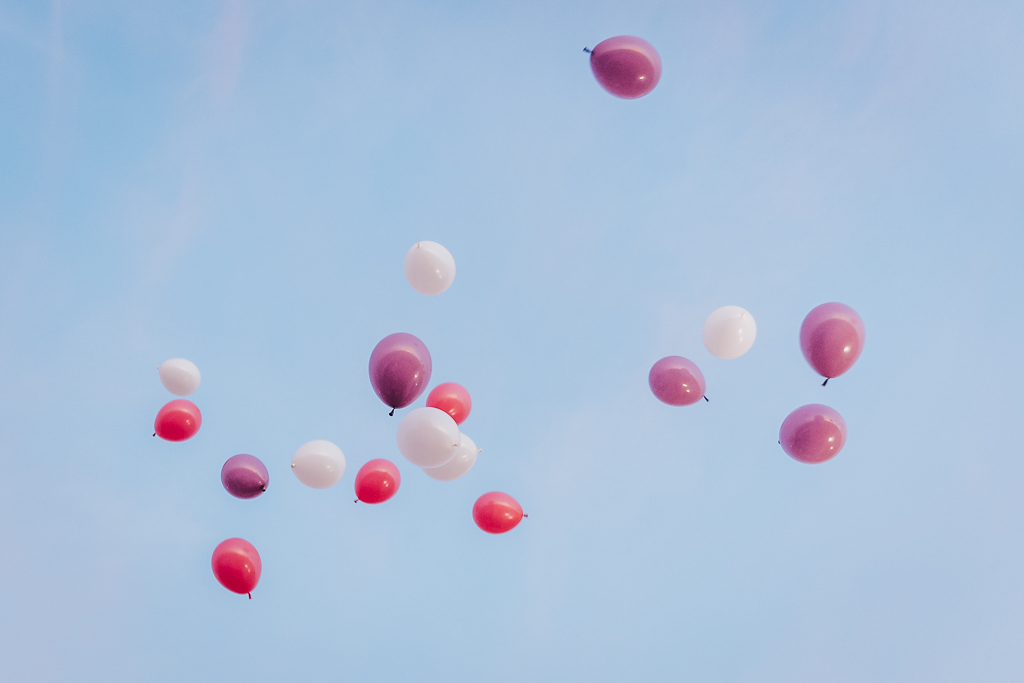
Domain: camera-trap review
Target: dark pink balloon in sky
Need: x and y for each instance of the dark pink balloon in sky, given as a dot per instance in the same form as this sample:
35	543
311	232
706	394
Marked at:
626	66
676	381
832	337
813	433
399	369
244	476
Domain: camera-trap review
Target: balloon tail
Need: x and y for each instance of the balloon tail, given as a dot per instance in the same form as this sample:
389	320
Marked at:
356	500
154	433
525	515
707	399
587	50
392	413
250	596
826	381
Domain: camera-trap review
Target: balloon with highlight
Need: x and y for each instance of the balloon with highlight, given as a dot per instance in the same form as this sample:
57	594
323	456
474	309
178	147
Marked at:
831	338
453	399
237	566
497	512
244	476
813	434
676	381
399	369
626	66
377	481
178	420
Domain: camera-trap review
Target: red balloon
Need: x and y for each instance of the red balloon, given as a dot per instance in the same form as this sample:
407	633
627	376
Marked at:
237	566
377	481
497	512
178	420
626	66
831	338
453	399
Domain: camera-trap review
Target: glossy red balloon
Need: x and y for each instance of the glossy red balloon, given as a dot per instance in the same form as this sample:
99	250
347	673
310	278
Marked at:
377	481
626	66
676	381
813	433
178	420
831	338
497	512
237	566
453	399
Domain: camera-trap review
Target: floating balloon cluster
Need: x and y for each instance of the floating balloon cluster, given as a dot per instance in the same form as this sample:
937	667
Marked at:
831	338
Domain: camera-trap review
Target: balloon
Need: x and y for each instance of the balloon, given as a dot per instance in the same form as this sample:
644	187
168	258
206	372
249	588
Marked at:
178	420
497	512
244	476
832	337
452	399
237	566
626	66
813	433
729	332
377	481
428	437
676	381
399	369
429	267
465	458
319	464
179	376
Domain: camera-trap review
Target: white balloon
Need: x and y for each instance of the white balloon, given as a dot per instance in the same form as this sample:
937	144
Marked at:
179	376
319	464
428	437
465	458
429	268
729	332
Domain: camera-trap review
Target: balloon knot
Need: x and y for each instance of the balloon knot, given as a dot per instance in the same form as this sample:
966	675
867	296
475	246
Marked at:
826	381
707	399
356	500
525	515
392	413
587	50
250	596
154	433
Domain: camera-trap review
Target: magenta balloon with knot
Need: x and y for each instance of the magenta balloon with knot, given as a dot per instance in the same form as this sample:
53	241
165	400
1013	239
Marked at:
626	66
831	338
399	369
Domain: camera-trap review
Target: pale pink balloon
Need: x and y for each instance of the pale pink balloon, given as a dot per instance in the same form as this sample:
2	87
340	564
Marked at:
832	337
813	433
676	381
626	66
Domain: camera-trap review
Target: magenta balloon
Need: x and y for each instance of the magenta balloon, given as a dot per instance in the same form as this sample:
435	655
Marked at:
244	476
813	433
676	381
626	66
832	337
399	369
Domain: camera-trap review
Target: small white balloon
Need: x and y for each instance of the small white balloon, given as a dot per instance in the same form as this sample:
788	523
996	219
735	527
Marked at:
319	464
729	332
429	268
428	437
179	376
465	458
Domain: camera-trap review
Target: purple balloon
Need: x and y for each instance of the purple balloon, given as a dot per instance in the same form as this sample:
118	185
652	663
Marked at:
676	381
813	433
244	476
832	337
399	369
626	66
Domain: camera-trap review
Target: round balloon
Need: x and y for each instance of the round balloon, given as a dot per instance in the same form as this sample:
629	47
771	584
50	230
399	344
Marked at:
399	369
465	458
178	420
497	512
813	433
626	66
452	399
319	464
428	437
377	481
729	332
244	476
831	338
179	376
676	381
237	566
429	267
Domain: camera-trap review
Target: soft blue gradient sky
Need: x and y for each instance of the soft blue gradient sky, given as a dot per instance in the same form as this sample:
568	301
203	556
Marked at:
238	183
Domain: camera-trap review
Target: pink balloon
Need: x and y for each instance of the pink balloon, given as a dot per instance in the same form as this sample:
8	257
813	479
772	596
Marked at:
626	66
813	433
497	512
832	337
399	369
377	481
676	381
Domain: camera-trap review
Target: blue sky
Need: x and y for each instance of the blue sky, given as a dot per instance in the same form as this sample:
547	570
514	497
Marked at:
238	183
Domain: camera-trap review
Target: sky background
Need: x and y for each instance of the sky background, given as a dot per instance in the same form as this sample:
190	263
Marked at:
237	183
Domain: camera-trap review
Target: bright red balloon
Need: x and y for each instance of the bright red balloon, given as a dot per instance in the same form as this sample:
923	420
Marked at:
453	399
813	434
237	566
377	481
178	420
831	338
626	66
497	512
